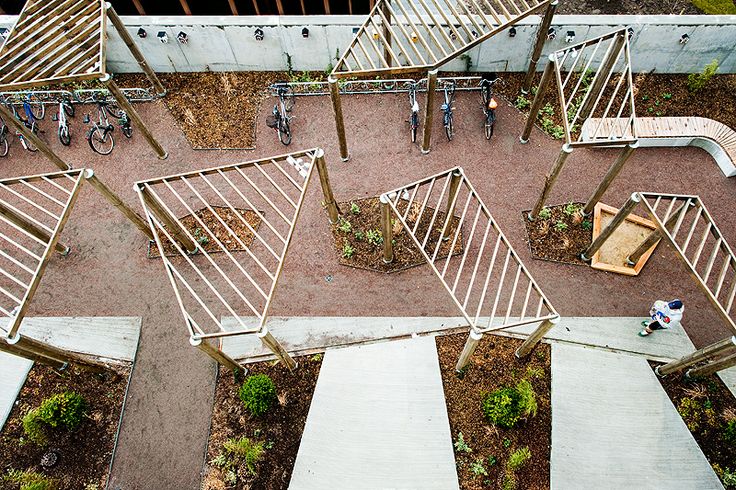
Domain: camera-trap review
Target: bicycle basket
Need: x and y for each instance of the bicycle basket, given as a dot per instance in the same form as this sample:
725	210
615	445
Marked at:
272	122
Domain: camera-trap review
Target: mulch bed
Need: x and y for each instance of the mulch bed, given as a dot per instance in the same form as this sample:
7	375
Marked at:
494	366
222	234
561	237
627	7
368	254
706	406
83	455
282	425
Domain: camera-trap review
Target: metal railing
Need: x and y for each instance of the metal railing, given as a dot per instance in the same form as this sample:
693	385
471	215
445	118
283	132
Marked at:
80	96
389	86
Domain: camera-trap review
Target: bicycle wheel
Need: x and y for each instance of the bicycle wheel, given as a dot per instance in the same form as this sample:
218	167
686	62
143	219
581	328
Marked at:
284	132
414	126
289	101
64	135
100	141
485	94
490	122
37	108
29	146
114	110
448	126
4	144
68	108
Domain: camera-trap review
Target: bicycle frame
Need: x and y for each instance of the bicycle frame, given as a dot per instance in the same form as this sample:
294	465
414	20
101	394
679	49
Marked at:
449	93
489	105
414	116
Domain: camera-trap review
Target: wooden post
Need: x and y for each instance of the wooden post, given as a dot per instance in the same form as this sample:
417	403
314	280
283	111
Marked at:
128	108
610	176
8	117
468	350
539	45
599	83
712	367
536	336
185	7
386	230
279	7
707	353
429	110
46	351
215	353
549	70
605	234
113	199
139	7
171	224
273	344
455	179
327	7
31	228
655	236
339	120
549	180
386	31
17	351
234	8
324	180
133	48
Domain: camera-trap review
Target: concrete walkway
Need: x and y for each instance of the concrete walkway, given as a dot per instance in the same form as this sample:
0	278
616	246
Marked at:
613	426
13	372
378	420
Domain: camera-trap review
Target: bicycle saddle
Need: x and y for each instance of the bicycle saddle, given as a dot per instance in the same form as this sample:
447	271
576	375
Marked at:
415	106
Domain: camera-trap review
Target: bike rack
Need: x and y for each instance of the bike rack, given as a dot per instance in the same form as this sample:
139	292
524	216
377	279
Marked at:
363	87
81	96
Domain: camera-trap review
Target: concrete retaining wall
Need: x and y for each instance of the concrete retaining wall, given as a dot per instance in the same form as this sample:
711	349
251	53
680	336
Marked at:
228	43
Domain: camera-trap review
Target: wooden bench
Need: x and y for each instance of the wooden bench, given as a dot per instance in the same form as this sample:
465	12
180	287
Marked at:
712	136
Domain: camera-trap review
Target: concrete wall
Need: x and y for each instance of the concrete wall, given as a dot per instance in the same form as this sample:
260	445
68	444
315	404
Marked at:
228	43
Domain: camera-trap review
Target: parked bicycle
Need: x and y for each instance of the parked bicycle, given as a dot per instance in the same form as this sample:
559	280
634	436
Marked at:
279	118
33	107
489	102
30	121
99	135
65	109
449	90
414	116
4	143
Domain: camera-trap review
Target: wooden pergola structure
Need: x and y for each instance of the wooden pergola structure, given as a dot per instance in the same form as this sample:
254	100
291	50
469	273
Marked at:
489	284
593	78
686	225
62	41
229	258
33	212
404	36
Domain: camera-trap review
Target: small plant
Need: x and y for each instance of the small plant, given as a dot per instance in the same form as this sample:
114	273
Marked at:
548	109
200	236
374	237
258	393
644	98
729	478
64	409
344	225
506	406
570	208
478	468
560	225
359	235
492	460
534	372
347	250
354	208
30	480
716	7
729	432
545	213
244	450
506	443
518	458
696	81
522	103
289	64
587	225
460	445
316	358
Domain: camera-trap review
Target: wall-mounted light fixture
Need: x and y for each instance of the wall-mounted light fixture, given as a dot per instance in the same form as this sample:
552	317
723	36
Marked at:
182	37
142	33
305	33
374	34
684	39
4	32
414	37
570	36
162	37
551	34
452	35
475	34
258	33
512	31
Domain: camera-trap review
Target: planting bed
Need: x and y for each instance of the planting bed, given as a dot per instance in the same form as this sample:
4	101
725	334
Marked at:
359	229
84	454
279	429
560	237
213	224
707	407
494	366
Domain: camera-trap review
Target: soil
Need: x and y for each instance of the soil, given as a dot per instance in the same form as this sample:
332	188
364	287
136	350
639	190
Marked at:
216	228
709	407
369	255
549	240
494	366
83	455
282	425
628	7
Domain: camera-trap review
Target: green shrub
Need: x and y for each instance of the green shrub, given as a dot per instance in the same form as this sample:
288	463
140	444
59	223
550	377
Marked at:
696	81
518	458
478	468
729	478
587	225
244	450
560	225
716	7
344	225
374	237
570	208
545	213
548	109
461	445
359	235
522	103
729	432
354	208
30	480
61	410
347	250
258	393
504	407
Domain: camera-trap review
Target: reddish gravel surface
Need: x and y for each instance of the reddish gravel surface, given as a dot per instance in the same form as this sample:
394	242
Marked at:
164	429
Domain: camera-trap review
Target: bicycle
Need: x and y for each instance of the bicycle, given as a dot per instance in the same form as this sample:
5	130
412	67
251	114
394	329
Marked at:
99	136
279	118
4	143
33	107
65	109
29	121
414	116
449	90
489	103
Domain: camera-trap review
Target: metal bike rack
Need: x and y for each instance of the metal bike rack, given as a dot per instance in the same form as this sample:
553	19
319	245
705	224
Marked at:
81	96
390	86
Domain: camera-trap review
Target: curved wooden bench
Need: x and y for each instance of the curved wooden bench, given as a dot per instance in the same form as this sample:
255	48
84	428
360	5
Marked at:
714	137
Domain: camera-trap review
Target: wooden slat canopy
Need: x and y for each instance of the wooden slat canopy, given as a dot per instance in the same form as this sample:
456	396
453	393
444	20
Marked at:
54	41
401	36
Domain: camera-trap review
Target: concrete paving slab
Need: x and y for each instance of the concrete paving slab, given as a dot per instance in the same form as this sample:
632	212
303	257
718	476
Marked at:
378	421
13	373
613	426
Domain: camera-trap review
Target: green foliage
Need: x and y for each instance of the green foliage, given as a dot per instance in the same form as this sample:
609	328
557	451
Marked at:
506	406
545	213
506	442
729	432
289	64
509	482
30	480
696	81
347	250
359	235
548	109
518	458
571	208
522	103
552	129
460	445
478	467
729	478
258	393
716	7
374	237
316	358
344	225
63	409
492	460
201	237
244	451
534	372
560	225
468	62
587	225
354	208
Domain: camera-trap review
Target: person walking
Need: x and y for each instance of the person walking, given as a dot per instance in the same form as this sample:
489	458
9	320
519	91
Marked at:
663	315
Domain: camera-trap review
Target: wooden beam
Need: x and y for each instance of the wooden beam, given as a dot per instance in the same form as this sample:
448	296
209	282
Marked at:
429	111
339	120
606	233
280	7
185	7
327	7
113	199
139	7
550	179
